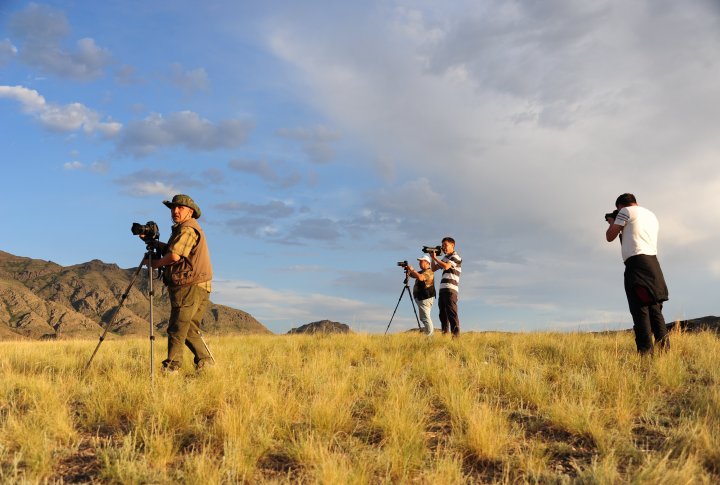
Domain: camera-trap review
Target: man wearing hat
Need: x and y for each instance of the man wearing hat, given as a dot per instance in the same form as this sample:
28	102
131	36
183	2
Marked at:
188	276
424	291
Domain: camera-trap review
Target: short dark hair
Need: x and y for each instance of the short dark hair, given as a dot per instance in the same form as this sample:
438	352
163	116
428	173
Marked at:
625	199
448	239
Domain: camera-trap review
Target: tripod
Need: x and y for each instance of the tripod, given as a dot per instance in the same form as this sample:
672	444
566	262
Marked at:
147	257
405	287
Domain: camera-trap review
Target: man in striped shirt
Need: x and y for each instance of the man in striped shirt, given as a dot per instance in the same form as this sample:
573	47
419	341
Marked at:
447	300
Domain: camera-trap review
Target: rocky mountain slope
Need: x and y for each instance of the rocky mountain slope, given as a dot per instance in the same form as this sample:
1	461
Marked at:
323	326
41	299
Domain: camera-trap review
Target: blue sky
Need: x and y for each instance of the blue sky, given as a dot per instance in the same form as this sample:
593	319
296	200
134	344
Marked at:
325	141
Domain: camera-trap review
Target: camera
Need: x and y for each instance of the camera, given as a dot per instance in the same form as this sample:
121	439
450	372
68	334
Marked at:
611	215
403	264
432	249
148	231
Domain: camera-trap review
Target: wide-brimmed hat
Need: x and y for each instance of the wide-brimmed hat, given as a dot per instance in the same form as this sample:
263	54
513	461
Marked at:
184	200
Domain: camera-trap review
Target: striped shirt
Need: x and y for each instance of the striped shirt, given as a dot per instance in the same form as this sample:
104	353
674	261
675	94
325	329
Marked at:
451	276
182	246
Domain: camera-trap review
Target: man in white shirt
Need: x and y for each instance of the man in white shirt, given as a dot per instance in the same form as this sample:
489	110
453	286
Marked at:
644	281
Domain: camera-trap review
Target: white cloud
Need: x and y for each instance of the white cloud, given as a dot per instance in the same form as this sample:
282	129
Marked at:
158	182
75	165
526	121
60	118
275	174
146	188
96	167
189	81
281	310
42	30
7	51
414	196
317	141
184	128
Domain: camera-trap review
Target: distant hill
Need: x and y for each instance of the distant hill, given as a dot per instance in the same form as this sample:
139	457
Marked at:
41	299
697	324
323	326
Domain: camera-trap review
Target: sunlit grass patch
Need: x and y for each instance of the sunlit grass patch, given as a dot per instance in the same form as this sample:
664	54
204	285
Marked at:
498	408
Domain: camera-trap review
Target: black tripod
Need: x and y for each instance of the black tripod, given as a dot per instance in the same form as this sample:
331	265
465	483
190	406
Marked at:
405	287
147	259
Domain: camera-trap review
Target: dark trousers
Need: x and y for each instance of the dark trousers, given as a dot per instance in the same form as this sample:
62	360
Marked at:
188	305
648	321
447	303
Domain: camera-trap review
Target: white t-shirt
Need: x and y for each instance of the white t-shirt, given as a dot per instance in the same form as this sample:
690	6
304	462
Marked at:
640	231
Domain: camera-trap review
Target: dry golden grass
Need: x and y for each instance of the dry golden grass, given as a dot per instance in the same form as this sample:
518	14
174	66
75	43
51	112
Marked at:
507	408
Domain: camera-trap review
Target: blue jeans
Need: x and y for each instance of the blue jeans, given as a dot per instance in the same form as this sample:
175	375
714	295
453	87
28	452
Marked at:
424	309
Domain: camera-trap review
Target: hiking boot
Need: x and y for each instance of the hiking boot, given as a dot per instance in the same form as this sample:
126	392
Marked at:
203	365
170	367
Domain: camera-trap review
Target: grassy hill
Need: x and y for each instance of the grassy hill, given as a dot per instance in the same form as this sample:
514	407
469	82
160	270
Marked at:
41	299
352	409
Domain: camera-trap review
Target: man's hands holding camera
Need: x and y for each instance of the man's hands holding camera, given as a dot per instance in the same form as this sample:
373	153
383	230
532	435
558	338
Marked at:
610	216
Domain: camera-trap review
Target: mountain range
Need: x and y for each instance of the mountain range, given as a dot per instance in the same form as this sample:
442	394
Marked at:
44	300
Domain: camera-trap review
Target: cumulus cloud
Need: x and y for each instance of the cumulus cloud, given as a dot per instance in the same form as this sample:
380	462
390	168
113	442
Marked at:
253	226
156	182
184	128
281	310
7	51
75	165
60	118
214	176
316	141
275	174
314	229
95	167
525	119
411	196
189	81
275	208
42	30
127	75
257	220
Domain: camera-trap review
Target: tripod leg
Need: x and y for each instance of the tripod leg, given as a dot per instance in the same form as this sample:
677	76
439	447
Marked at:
151	294
206	346
412	301
115	314
396	307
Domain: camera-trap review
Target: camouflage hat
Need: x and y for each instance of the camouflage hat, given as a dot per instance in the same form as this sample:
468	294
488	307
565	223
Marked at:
184	200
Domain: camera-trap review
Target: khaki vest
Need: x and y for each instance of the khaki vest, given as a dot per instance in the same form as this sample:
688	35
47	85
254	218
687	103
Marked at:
194	269
425	289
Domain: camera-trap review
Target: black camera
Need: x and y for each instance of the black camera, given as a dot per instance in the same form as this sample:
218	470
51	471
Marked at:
432	249
611	215
403	264
148	232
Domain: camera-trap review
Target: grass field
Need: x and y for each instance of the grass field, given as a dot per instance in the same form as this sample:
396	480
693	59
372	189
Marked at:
490	407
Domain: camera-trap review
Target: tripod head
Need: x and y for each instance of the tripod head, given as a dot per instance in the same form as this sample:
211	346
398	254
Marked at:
153	250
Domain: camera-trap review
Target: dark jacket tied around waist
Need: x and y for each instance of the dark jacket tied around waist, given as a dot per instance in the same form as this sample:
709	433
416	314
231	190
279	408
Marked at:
644	271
